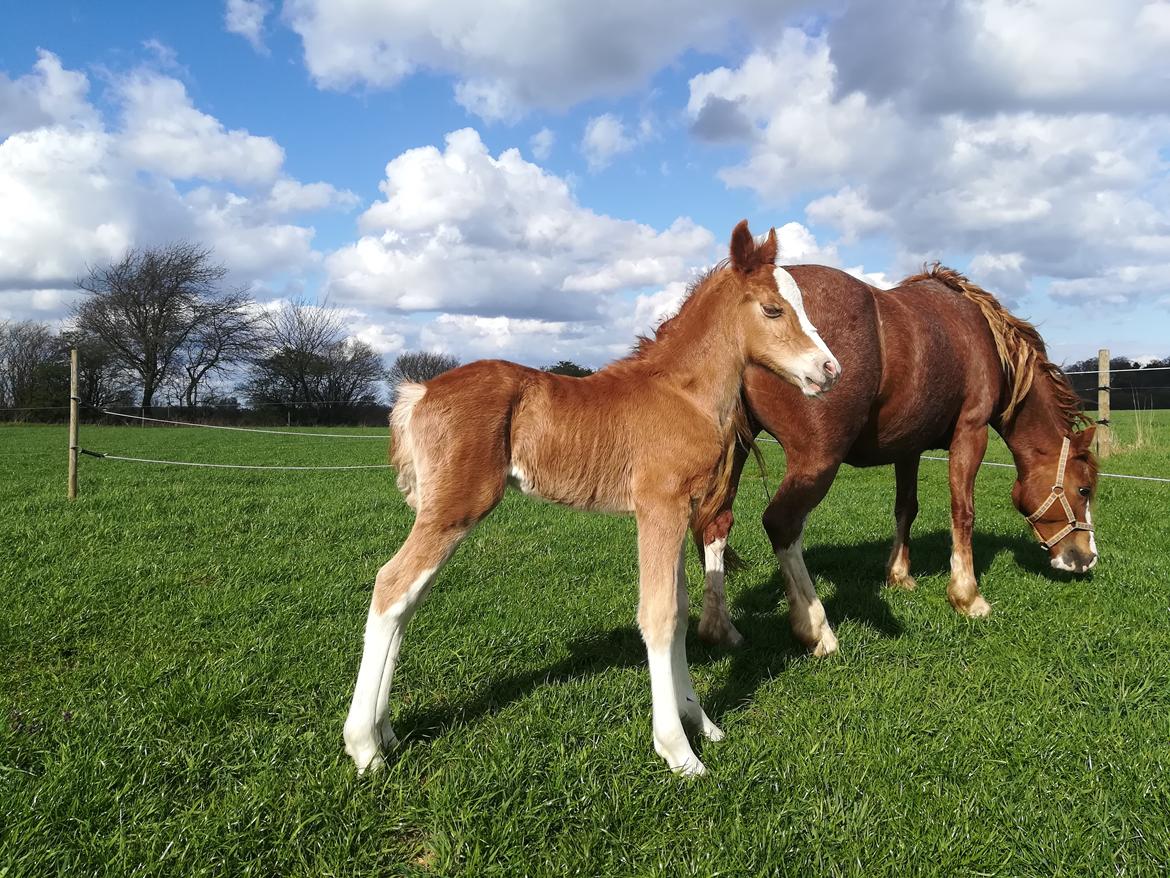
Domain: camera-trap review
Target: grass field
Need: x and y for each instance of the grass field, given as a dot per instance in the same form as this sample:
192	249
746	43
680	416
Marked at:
179	647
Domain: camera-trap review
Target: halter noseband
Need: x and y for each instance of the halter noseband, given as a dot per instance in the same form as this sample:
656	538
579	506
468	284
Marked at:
1058	494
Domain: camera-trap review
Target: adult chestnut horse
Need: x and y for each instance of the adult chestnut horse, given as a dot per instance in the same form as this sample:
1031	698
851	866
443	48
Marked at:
929	364
653	434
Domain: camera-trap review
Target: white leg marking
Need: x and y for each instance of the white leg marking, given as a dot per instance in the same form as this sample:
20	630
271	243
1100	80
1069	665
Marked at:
670	741
962	584
715	624
367	730
690	709
805	609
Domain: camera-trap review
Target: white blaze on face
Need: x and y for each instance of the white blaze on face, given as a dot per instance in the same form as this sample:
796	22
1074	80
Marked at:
790	292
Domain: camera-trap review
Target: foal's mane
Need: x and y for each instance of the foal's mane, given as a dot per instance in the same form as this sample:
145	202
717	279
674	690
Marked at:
1021	349
645	343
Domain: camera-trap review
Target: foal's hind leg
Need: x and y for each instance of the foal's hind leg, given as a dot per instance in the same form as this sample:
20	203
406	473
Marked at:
784	521
905	511
715	625
689	708
400	586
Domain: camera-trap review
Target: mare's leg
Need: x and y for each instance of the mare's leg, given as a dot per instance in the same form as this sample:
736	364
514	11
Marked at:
689	708
905	511
800	492
662	527
967	448
715	625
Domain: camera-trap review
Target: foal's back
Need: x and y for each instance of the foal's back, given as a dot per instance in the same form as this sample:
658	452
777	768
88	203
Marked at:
581	442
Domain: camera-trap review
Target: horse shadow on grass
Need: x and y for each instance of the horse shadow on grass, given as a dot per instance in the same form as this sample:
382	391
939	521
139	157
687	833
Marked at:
856	573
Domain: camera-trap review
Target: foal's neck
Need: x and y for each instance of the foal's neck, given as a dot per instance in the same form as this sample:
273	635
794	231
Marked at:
702	356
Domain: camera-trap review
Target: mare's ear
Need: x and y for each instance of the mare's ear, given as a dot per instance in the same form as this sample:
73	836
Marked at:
743	248
1083	441
766	252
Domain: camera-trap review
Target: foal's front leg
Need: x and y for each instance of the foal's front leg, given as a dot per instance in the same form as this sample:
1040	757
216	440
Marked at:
662	525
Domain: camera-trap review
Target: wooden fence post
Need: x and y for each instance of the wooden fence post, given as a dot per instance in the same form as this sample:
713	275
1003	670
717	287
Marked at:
74	399
1104	428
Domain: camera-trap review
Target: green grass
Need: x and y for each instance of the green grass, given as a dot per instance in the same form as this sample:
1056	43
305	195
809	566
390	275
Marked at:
179	647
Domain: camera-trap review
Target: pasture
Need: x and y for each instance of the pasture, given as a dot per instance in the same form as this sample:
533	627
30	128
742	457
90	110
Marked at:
179	647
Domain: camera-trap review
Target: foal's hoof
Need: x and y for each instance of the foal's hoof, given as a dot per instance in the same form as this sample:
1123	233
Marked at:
824	645
977	609
368	750
905	581
690	768
712	732
719	633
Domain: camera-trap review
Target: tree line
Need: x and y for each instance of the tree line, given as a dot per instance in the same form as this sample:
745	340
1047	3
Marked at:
1146	388
160	327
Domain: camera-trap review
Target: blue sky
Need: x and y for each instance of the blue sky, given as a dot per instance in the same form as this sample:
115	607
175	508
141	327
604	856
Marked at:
991	135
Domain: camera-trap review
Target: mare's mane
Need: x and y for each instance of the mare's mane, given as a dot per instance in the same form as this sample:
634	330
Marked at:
1021	349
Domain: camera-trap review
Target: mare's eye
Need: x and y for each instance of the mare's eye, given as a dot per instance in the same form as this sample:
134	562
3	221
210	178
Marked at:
1084	492
772	310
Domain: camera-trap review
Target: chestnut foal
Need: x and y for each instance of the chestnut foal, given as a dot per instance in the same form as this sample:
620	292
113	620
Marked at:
651	435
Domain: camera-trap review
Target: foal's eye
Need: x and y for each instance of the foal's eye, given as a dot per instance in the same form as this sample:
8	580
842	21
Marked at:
772	310
1084	492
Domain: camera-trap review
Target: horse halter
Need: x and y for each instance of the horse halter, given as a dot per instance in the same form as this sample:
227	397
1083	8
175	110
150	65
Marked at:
1058	494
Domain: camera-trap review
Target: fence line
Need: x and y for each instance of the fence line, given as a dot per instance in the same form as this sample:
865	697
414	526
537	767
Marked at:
1012	466
1115	371
242	429
103	456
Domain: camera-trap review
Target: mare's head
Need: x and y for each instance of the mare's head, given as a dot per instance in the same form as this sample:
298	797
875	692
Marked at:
1054	490
777	333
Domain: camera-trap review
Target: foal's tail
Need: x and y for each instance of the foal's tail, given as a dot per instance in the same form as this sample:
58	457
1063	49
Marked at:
403	453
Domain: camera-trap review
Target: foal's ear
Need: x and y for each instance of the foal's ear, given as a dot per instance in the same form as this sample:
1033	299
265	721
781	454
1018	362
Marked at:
743	248
766	252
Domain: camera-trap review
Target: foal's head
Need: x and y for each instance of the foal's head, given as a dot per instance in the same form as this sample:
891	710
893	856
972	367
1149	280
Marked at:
1056	500
776	331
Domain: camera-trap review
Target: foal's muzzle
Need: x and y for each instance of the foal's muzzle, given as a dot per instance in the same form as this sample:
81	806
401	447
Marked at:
820	375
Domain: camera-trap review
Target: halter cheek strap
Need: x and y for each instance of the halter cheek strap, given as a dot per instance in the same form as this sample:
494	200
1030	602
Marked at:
1058	495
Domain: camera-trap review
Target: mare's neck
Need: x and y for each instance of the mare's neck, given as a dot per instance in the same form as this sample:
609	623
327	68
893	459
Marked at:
1038	427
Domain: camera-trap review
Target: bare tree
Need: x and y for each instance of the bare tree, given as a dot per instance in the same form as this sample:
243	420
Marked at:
32	366
228	333
146	305
310	359
418	366
102	379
